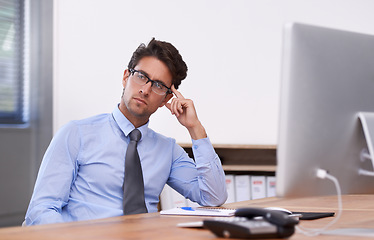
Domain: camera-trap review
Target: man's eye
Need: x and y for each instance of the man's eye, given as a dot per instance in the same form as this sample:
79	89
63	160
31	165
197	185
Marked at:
159	85
141	76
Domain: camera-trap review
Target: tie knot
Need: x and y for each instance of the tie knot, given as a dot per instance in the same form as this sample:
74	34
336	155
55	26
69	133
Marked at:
135	135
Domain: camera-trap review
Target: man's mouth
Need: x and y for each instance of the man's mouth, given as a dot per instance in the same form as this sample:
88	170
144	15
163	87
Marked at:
140	100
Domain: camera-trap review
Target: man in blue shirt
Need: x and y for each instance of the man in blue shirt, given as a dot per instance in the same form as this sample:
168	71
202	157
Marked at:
82	172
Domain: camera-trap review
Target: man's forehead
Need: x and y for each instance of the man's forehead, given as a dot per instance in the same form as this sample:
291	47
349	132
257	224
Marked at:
155	69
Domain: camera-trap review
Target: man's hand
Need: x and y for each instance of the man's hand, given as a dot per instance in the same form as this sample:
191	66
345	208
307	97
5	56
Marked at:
185	112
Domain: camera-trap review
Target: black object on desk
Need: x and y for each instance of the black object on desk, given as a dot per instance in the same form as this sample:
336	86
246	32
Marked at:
313	215
252	223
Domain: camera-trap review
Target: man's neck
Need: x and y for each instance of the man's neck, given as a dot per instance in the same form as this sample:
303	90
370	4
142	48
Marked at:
136	121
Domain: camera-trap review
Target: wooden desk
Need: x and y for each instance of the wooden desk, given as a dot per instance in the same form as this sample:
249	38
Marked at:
358	213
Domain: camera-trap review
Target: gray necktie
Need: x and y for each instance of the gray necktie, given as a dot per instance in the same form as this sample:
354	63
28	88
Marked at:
133	186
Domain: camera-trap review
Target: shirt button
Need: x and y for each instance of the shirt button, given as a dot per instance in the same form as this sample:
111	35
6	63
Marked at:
195	147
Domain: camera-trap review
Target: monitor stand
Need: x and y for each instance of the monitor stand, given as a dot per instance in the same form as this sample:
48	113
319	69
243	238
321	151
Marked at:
367	121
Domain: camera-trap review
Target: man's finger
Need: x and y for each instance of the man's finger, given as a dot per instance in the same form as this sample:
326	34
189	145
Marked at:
176	92
168	105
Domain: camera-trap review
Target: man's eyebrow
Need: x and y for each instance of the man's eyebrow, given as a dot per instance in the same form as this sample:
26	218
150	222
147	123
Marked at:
142	72
146	74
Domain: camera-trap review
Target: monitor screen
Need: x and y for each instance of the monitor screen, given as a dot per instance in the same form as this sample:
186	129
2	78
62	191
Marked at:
327	79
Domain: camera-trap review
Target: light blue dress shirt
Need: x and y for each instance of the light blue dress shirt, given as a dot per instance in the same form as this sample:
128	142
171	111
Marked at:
82	171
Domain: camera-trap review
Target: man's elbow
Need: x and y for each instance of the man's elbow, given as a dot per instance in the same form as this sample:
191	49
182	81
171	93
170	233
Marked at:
215	200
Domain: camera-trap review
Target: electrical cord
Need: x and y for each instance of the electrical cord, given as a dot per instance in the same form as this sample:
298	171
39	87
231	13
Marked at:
323	174
365	156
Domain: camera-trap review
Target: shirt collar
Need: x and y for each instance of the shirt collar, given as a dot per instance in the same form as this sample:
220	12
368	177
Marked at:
125	125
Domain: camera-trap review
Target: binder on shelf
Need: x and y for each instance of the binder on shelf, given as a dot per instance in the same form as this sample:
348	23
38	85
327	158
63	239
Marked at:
258	187
230	186
192	204
242	188
171	199
270	186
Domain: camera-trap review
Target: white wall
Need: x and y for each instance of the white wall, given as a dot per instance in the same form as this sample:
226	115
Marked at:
232	49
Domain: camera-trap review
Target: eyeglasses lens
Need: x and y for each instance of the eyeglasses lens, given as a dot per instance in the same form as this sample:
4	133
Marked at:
141	79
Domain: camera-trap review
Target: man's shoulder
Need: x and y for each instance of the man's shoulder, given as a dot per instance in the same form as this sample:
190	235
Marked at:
93	120
86	124
160	137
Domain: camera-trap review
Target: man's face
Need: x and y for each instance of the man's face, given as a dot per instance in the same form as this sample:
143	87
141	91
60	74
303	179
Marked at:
138	102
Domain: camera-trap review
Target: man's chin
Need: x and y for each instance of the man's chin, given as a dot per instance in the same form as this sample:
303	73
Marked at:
140	113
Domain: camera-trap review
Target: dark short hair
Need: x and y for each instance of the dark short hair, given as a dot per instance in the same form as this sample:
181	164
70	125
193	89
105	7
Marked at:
166	53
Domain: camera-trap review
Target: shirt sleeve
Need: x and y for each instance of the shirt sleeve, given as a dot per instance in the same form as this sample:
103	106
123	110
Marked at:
202	180
56	174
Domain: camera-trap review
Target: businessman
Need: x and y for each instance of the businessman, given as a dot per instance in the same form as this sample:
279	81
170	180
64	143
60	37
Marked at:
85	170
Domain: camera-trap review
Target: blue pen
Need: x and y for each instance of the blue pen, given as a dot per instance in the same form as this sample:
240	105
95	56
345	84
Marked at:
200	209
188	208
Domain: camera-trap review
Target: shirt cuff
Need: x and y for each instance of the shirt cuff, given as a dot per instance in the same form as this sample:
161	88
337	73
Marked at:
203	150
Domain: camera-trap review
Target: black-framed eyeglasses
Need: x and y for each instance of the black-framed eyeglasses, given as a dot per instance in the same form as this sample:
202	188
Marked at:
158	87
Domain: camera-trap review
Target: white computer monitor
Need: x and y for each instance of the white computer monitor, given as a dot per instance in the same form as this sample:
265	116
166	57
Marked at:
327	79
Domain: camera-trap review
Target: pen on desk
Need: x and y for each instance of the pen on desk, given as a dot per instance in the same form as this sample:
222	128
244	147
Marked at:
199	209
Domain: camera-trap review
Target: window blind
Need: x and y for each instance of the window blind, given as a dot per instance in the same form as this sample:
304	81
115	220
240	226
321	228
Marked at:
11	61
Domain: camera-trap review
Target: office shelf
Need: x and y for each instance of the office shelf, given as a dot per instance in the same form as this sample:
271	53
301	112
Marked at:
249	168
244	159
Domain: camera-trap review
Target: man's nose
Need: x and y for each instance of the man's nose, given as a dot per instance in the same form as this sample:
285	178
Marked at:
147	88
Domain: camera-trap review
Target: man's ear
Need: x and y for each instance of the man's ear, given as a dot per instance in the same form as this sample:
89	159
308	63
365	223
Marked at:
126	75
167	98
